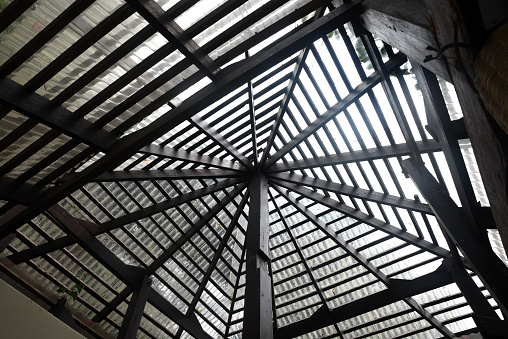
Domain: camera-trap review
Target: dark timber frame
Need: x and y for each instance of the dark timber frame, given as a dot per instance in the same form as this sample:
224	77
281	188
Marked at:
273	202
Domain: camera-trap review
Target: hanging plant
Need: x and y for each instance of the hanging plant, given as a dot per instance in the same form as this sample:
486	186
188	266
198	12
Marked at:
72	292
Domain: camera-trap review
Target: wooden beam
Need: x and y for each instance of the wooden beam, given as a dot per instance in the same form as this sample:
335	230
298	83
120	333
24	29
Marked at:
429	317
18	192
64	121
130	275
156	16
218	255
258	316
399	290
94	247
149	175
351	98
252	115
424	146
175	246
132	318
439	121
391	94
85	42
194	229
351	191
190	325
369	220
201	159
107	226
475	298
402	24
338	239
44	36
295	75
220	140
453	22
132	143
13	11
303	258
490	269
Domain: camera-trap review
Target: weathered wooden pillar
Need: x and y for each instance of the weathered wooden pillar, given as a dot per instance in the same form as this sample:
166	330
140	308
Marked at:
490	269
257	321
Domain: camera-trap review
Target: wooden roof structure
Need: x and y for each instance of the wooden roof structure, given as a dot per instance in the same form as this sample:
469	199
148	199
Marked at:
227	169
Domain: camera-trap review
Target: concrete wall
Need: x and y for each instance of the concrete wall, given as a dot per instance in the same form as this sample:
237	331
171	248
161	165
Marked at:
21	318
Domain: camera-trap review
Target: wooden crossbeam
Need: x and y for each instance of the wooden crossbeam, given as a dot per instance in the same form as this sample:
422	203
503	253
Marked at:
399	290
351	191
369	220
155	15
348	100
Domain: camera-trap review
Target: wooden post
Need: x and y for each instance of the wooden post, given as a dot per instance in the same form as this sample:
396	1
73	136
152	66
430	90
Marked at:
490	269
258	292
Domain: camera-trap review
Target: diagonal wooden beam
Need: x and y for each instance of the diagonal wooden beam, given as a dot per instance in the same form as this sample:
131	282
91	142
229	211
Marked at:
396	150
348	100
13	11
295	75
156	16
128	274
142	175
303	259
87	240
490	269
351	191
164	151
215	259
157	263
107	226
474	296
194	229
219	139
132	143
190	325
48	33
35	106
334	236
132	318
429	317
369	220
18	192
252	114
391	94
439	120
400	289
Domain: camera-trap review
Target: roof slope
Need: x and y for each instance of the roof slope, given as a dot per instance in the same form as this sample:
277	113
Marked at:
132	130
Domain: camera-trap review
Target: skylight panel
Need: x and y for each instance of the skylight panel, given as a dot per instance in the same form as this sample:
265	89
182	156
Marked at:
388	115
473	171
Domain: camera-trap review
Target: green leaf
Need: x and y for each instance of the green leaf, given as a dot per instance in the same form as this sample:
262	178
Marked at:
61	289
73	294
79	287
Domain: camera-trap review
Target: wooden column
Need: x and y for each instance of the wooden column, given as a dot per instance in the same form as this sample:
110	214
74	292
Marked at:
490	269
402	24
258	292
461	22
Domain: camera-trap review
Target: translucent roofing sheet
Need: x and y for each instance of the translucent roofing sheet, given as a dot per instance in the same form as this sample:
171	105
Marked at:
342	224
